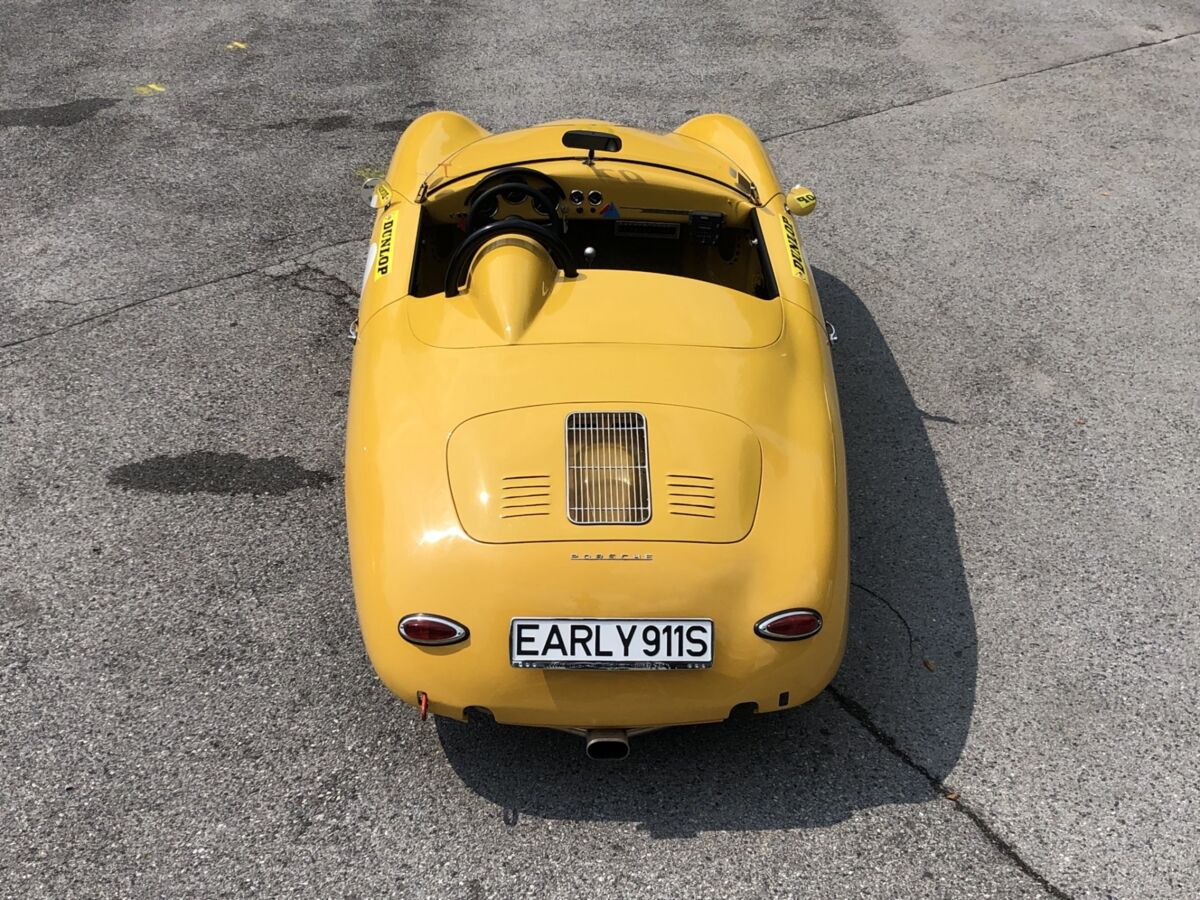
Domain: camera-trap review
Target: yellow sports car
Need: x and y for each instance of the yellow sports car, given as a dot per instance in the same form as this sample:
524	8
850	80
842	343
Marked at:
594	468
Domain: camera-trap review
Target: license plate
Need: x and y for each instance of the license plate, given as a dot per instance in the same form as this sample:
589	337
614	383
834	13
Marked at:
611	643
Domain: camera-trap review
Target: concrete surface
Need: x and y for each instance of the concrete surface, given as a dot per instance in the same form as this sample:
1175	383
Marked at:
1009	243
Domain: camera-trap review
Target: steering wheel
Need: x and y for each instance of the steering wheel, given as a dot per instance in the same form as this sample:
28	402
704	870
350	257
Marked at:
485	205
559	252
513	184
514	176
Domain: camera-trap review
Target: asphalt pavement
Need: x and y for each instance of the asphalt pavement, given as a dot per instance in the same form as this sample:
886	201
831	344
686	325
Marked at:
1008	241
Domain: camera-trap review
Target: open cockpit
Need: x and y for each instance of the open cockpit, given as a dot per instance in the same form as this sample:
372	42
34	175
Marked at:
595	213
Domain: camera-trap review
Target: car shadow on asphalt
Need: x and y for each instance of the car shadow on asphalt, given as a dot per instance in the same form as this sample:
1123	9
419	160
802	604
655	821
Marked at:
896	718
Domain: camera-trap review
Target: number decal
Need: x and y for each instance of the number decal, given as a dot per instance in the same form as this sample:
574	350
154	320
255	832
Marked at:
652	640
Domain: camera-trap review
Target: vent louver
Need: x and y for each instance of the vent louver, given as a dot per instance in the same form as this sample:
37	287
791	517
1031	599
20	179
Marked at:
525	495
608	472
692	495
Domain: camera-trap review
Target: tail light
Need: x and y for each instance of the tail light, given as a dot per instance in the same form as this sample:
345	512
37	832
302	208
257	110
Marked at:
789	625
431	630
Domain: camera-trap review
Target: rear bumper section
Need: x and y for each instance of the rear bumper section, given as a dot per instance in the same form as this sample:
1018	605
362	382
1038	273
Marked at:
747	670
484	586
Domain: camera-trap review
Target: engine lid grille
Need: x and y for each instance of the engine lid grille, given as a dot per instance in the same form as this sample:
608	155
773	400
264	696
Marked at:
608	469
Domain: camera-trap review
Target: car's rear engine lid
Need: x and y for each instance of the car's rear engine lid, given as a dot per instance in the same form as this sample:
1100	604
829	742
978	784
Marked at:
602	306
591	472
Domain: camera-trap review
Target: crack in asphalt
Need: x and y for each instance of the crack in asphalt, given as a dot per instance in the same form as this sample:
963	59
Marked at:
75	303
256	270
313	284
859	713
903	621
975	87
931	417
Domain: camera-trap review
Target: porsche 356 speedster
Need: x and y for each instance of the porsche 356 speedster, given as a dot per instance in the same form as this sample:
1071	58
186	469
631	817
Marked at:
594	468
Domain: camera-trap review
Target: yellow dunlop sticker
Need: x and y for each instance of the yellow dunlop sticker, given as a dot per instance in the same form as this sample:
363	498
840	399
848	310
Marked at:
799	269
387	238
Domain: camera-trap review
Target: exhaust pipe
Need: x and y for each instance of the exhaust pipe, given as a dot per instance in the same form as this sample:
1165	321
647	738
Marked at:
606	743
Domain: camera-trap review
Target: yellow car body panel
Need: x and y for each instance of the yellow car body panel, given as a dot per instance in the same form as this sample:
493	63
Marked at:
724	466
427	141
607	307
452	395
737	142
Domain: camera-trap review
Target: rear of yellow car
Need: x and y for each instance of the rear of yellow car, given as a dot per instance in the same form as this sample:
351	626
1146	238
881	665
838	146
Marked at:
606	503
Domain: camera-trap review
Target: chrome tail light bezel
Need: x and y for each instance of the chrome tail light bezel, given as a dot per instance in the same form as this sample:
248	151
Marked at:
461	632
762	625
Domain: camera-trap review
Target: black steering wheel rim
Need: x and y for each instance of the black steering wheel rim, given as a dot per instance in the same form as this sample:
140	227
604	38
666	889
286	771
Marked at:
559	252
479	212
520	175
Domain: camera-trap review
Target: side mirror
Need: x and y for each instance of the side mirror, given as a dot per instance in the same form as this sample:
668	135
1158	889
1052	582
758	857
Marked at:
377	193
800	201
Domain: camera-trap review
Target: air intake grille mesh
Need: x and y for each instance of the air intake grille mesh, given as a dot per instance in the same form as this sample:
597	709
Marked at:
608	473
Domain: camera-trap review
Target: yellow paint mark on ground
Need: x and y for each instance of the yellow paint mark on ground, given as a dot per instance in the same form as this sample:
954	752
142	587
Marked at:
147	89
365	172
236	45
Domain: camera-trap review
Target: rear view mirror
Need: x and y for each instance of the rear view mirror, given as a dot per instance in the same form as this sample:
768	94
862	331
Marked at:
591	141
800	201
